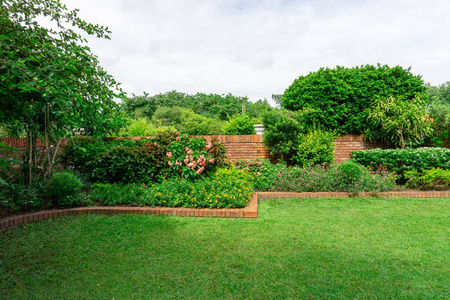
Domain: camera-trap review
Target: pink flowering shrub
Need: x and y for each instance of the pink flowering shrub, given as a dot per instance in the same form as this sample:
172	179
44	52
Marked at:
192	156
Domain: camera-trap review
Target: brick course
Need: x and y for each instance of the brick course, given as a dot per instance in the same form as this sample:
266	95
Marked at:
249	146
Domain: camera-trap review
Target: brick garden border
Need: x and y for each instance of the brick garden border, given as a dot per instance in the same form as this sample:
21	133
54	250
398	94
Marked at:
249	212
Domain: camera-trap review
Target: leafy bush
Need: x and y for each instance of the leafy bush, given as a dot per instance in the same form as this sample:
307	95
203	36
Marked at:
239	124
315	147
64	188
435	178
130	164
402	160
281	129
17	196
7	160
340	96
263	171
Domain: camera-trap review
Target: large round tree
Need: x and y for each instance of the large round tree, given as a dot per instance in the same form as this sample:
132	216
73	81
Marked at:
50	82
340	97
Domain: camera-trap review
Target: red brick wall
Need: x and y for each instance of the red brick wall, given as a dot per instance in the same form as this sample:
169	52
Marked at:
346	144
251	146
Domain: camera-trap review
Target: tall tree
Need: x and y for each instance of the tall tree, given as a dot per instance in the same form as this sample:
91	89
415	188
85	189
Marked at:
341	96
50	82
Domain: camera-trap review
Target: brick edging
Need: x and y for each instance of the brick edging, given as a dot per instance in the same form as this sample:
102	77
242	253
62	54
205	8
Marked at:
249	212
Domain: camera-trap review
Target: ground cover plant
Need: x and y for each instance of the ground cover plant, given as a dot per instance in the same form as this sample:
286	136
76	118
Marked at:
222	190
345	177
357	248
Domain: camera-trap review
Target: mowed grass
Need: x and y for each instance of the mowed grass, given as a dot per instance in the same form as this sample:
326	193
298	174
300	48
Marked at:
297	248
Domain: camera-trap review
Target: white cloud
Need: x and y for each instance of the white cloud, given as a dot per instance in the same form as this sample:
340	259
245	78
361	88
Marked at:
257	48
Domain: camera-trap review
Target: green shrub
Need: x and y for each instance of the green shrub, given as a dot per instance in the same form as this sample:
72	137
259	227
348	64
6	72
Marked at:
402	160
435	178
64	188
7	160
281	129
263	171
239	124
136	164
18	196
315	147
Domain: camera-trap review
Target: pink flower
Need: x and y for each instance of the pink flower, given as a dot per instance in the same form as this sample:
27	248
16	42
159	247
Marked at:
208	146
211	160
189	151
169	154
170	163
199	171
178	163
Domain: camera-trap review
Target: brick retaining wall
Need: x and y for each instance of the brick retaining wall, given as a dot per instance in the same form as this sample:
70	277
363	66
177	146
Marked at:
249	146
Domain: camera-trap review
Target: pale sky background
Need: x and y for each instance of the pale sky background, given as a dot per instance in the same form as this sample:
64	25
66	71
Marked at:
258	48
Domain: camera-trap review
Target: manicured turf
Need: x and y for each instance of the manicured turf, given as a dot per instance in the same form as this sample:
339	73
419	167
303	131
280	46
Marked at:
297	248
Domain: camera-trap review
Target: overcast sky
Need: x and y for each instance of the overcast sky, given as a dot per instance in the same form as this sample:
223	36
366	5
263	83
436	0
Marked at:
257	48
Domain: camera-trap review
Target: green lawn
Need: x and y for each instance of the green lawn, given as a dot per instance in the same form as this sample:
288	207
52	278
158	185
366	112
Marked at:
354	248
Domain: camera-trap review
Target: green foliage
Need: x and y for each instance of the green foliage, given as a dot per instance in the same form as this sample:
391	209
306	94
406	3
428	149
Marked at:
129	164
118	194
141	161
439	111
432	179
263	171
281	130
340	96
7	160
64	188
239	124
17	196
221	190
50	81
402	160
315	147
142	127
399	121
186	121
212	106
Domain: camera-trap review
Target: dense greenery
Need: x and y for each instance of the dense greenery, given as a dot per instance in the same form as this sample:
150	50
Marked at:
222	190
186	121
402	160
239	124
50	81
399	121
141	161
435	178
281	130
142	127
439	110
315	147
359	248
340	96
212	106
